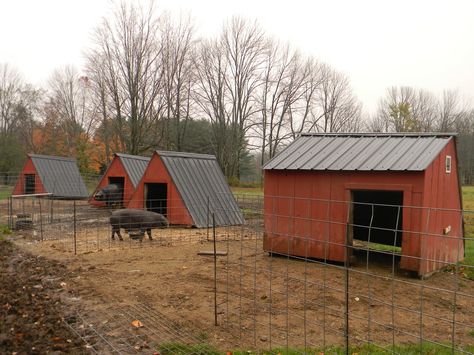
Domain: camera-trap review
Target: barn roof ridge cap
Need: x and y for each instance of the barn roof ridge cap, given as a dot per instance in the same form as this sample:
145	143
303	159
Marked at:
376	134
175	154
131	156
51	157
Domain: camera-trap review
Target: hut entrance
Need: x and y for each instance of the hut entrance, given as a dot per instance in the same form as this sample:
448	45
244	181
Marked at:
120	182
156	198
29	183
377	220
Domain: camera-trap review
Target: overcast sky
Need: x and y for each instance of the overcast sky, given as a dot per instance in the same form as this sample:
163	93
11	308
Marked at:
379	43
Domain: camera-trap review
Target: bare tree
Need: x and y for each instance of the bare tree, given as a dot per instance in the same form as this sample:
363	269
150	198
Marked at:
405	109
129	51
229	76
177	56
11	88
340	110
71	97
212	97
284	85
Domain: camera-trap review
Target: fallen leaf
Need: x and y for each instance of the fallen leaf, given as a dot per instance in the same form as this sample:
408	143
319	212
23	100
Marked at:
137	324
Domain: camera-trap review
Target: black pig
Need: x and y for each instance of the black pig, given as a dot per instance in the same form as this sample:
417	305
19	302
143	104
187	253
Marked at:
136	220
110	194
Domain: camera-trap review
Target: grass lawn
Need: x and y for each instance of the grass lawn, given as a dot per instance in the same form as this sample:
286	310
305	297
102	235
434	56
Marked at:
4	194
252	191
468	204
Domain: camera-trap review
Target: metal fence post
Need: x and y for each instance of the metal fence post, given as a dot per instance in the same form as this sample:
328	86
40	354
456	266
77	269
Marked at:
215	268
10	213
41	219
74	221
346	290
207	217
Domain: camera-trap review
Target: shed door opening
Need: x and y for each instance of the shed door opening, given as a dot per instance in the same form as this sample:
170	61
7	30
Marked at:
29	183
120	182
156	198
377	217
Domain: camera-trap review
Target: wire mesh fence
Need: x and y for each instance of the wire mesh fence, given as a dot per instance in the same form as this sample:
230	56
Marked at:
302	275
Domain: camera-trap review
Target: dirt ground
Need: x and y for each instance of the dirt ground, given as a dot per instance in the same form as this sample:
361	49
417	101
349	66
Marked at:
31	311
263	302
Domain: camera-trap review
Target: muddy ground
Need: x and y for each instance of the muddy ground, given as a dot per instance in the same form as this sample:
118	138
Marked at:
263	302
31	311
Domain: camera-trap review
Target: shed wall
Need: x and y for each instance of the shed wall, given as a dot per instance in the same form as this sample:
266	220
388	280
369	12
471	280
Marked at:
29	168
306	212
157	173
115	169
442	195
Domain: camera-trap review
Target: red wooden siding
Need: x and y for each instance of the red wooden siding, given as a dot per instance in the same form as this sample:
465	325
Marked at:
29	168
157	173
307	212
115	169
442	196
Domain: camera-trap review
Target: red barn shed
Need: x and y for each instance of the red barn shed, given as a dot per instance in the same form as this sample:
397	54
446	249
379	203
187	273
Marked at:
50	174
325	192
183	186
124	170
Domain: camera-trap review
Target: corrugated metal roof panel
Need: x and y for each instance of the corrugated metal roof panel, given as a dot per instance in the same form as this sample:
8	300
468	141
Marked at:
134	165
359	151
198	178
60	176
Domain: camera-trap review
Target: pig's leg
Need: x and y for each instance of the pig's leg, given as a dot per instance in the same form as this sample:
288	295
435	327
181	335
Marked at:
149	233
119	235
114	230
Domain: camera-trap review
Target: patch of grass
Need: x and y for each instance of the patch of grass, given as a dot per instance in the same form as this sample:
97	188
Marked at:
4	229
468	205
252	191
381	247
468	197
184	349
4	194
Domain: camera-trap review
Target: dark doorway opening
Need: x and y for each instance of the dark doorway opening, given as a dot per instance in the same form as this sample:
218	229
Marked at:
29	183
377	219
156	198
117	197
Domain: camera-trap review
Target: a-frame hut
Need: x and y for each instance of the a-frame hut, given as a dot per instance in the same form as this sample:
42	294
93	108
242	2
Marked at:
125	171
187	188
50	174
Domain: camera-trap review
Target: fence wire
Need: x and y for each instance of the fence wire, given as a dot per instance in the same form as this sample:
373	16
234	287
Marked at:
302	275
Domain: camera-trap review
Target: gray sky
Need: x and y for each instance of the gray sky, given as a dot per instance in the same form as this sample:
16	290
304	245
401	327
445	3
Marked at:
377	43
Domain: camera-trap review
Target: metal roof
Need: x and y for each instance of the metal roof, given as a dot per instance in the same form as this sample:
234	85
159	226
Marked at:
361	152
198	178
60	176
134	165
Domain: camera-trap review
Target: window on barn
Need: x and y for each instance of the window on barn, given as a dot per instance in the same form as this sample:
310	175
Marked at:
448	164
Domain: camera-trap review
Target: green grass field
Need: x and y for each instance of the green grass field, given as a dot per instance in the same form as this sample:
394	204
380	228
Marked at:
4	194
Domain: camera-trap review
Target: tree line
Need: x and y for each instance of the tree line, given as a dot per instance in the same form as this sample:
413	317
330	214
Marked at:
150	83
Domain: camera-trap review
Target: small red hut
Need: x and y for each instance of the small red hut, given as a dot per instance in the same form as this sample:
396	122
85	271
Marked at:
187	188
325	192
50	174
124	170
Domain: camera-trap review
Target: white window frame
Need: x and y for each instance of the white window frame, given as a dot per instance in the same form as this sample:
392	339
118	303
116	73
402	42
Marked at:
448	164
